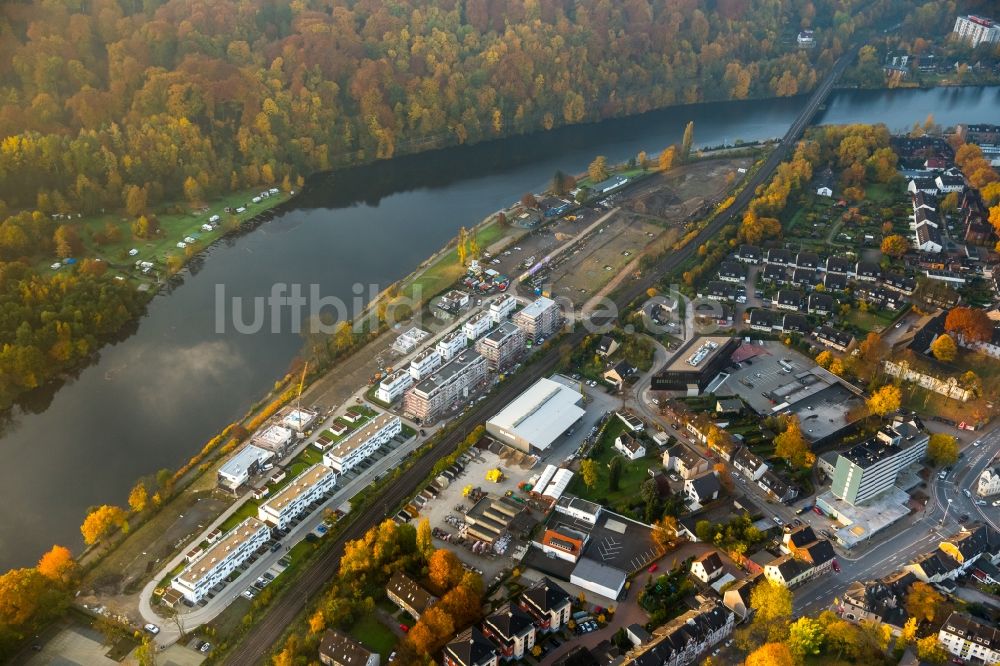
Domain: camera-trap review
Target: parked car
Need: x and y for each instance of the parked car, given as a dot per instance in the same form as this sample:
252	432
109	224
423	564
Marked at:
836	567
205	647
653	568
152	628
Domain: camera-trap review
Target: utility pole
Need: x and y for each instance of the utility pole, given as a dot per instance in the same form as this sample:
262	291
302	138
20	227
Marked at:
947	506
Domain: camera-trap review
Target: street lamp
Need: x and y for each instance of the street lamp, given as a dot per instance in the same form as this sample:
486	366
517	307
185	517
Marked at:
947	506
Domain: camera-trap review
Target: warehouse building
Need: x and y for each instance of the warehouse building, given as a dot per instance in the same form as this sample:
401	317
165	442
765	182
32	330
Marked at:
490	518
696	365
537	417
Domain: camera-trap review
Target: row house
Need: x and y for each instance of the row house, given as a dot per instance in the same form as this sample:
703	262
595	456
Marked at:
834	281
682	640
820	304
362	443
749	254
685	461
788	299
777	489
834	339
838	265
805	278
970	640
716	290
904	284
867	271
732	271
749	464
294	499
807	261
774	273
762	320
780	257
955	555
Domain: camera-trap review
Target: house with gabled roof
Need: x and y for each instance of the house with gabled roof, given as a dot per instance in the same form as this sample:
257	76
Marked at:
707	567
512	630
470	648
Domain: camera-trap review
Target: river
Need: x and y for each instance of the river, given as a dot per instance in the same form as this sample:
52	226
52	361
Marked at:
152	400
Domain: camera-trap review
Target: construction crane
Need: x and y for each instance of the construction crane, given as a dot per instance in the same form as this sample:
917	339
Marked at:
302	381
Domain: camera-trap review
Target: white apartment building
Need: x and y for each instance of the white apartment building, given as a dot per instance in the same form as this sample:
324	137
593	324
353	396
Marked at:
502	307
477	325
452	345
394	385
539	319
293	499
212	568
870	468
273	437
976	30
425	363
452	382
362	443
968	639
989	482
244	463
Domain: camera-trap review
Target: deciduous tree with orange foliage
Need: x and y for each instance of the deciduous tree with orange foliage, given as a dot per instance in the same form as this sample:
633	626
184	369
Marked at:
444	569
99	522
884	400
57	564
971	324
895	246
771	654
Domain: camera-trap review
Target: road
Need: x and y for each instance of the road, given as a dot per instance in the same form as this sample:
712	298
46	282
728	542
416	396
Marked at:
917	534
258	643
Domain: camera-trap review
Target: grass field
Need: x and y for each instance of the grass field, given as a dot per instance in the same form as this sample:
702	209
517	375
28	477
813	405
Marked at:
880	194
869	321
174	228
443	272
633	472
374	635
247	509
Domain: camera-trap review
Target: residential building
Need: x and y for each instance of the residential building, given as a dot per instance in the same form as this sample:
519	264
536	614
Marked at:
879	600
242	465
274	438
629	446
870	468
780	257
702	489
776	488
685	638
775	273
454	300
548	604
807	261
976	30
215	564
831	337
502	307
967	546
338	649
707	567
408	595
838	265
904	284
820	304
394	385
361	443
762	320
619	373
927	238
787	299
409	340
685	461
749	464
867	271
970	639
946	183
512	630
732	271
502	347
477	325
539	319
794	323
748	254
470	648
801	542
424	363
933	567
606	346
788	571
294	498
834	281
737	597
989	482
925	185
451	345
428	399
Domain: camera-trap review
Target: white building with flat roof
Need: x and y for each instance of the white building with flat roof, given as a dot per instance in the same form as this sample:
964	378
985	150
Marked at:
273	437
534	419
292	500
976	30
424	363
242	465
452	345
214	566
477	325
394	385
360	444
298	419
409	340
502	307
452	383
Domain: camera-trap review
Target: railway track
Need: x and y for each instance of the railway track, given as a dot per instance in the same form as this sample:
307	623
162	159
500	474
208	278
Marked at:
257	645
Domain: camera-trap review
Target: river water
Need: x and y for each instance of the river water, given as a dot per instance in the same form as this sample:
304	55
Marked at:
152	400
